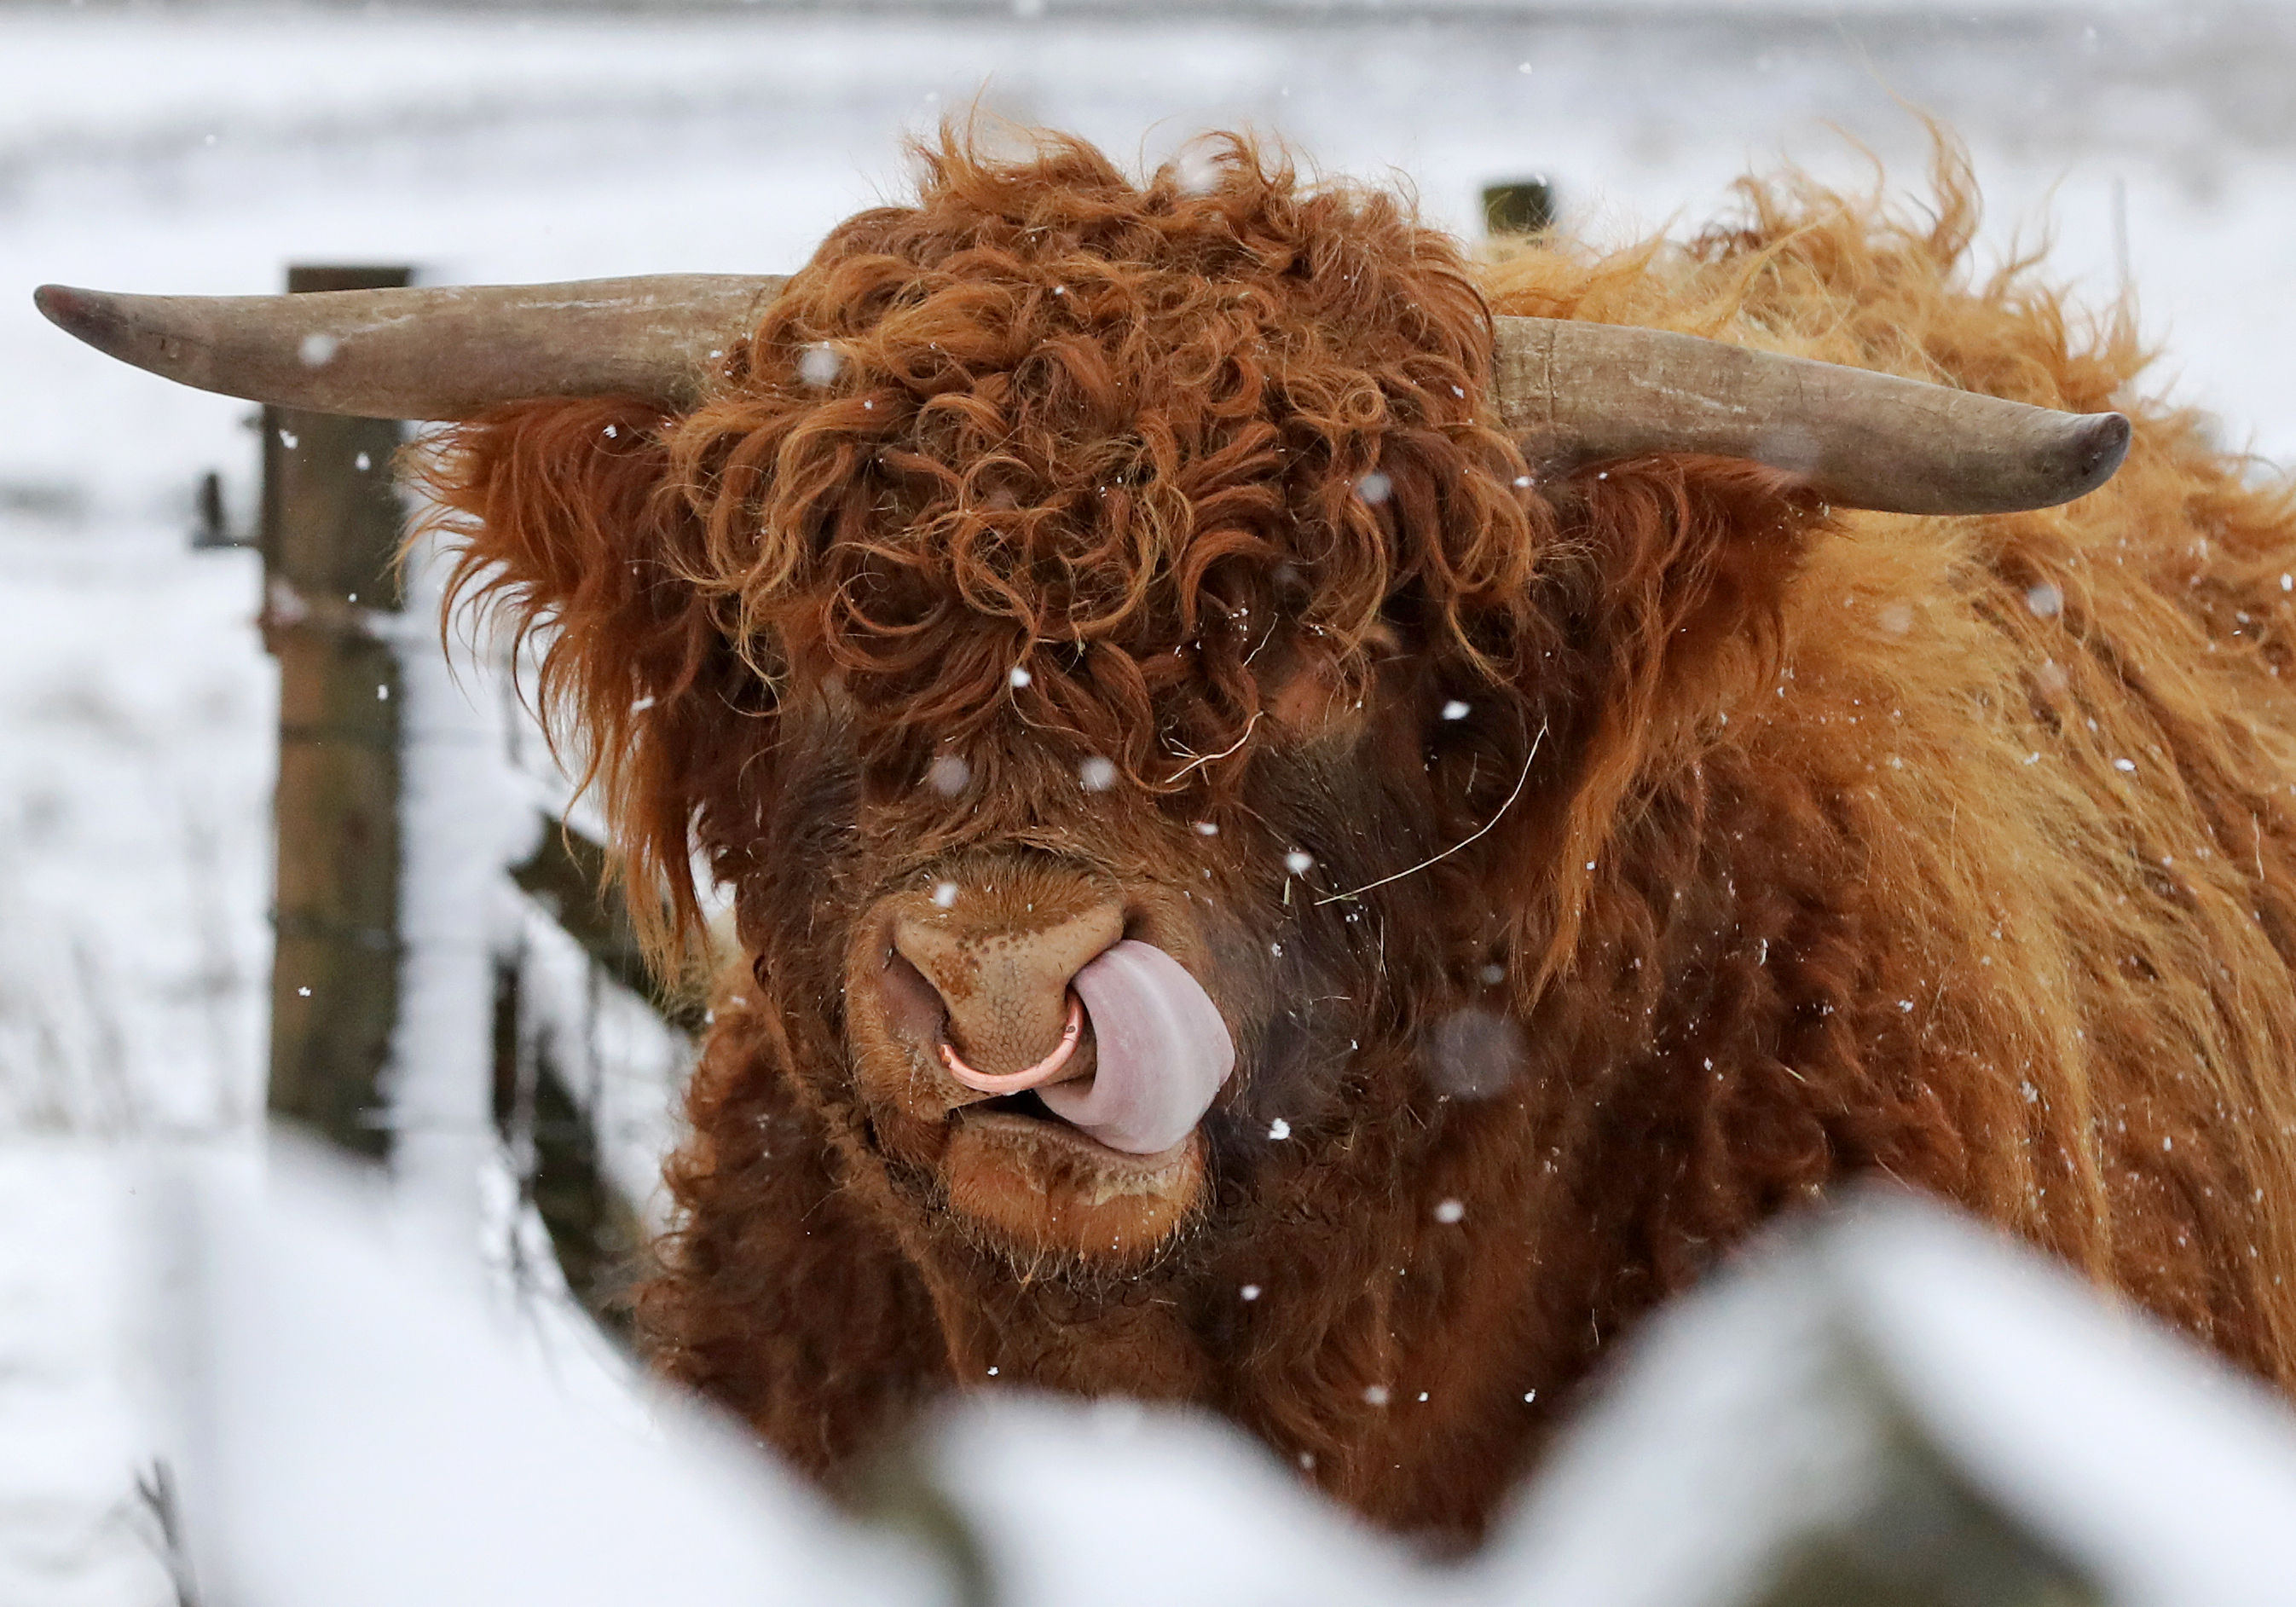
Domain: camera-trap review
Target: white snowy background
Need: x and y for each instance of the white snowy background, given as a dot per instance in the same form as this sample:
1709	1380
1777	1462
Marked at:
200	150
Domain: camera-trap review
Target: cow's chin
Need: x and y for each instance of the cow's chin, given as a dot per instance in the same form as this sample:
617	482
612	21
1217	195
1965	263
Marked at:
1042	1188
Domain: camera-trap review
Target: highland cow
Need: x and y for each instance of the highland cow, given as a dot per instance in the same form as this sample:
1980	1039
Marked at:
1314	827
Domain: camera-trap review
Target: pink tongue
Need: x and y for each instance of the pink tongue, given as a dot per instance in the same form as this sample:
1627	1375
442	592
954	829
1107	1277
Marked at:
1163	1051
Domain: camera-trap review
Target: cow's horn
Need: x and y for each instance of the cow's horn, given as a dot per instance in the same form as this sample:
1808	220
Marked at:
1856	438
443	353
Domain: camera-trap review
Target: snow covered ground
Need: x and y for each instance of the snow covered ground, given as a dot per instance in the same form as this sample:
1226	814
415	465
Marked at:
202	150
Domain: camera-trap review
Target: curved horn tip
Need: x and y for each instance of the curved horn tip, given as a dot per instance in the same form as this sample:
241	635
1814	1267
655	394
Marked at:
61	305
2101	445
90	316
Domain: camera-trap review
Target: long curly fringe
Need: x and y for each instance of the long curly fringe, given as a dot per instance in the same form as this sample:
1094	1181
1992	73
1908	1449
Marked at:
1115	419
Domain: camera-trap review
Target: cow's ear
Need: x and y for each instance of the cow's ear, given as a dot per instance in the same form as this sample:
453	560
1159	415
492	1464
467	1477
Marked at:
570	529
1660	603
1672	573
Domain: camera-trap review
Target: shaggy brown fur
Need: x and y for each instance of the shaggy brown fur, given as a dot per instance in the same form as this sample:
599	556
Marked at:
1776	847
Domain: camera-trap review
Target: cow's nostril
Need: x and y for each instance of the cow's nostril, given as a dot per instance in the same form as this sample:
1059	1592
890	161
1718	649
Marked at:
1004	985
912	1007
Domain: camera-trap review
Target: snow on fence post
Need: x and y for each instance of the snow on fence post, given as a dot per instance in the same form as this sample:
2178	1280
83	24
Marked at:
567	875
596	1228
331	530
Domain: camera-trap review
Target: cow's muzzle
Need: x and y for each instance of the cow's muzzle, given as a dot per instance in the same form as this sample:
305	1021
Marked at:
1114	1036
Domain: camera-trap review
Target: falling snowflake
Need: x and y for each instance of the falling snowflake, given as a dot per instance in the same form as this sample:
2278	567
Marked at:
820	365
1097	774
949	776
1198	172
1475	1054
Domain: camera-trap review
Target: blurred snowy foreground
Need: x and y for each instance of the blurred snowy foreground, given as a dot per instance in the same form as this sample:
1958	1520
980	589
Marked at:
1887	1404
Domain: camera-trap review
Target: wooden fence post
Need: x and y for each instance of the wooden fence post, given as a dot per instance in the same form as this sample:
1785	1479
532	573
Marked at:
331	530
